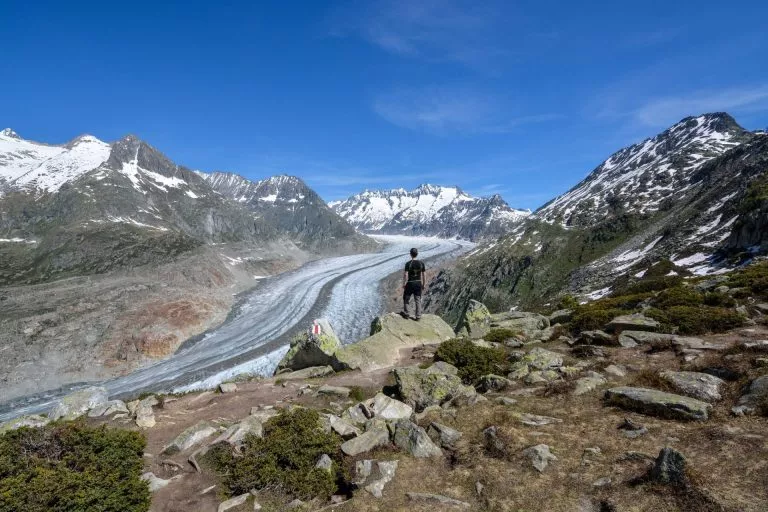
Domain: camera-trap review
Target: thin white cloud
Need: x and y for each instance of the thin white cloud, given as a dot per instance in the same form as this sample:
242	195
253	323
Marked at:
462	31
444	111
667	110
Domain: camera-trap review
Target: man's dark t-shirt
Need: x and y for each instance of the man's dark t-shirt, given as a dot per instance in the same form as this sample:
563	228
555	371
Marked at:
415	268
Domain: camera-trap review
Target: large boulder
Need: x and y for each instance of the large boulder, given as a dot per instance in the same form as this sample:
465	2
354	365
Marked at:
78	403
755	399
306	351
190	437
235	435
658	403
539	456
633	322
641	337
444	435
312	372
392	334
694	384
530	325
475	320
421	388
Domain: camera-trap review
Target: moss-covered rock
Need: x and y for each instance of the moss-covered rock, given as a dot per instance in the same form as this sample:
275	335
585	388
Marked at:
307	351
658	403
421	388
475	320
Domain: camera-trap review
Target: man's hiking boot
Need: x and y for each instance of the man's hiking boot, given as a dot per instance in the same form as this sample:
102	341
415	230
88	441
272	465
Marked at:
417	318
404	315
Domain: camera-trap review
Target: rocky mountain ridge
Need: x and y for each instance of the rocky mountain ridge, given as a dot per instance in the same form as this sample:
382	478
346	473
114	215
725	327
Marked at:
87	207
429	210
694	194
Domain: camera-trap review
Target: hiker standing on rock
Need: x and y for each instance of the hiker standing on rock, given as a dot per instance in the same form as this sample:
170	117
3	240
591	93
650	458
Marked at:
414	282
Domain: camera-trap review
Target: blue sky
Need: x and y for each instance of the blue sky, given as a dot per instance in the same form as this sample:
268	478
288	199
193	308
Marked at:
517	98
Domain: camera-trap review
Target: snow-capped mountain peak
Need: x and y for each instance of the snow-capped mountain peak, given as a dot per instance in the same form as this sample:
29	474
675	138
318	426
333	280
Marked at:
7	132
427	209
641	177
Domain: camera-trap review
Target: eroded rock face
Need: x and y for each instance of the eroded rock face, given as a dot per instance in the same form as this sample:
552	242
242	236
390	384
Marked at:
366	442
694	384
421	388
475	321
658	403
78	403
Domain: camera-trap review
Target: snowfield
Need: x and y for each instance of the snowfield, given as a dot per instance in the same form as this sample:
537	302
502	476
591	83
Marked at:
343	289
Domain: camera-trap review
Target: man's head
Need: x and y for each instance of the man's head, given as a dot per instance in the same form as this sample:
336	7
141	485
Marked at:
414	252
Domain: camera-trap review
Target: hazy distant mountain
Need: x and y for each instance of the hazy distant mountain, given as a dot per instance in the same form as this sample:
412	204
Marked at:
429	210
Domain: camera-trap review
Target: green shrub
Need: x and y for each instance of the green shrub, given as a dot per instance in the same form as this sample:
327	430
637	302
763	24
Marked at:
589	317
719	299
472	361
568	302
284	459
678	296
753	277
703	319
627	302
653	284
72	467
499	335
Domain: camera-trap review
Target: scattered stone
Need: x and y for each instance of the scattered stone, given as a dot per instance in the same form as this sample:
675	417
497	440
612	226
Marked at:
207	490
682	343
345	430
475	320
658	403
373	475
633	322
694	384
754	399
631	429
108	409
366	442
388	408
587	384
418	417
443	367
443	435
539	456
755	346
78	403
538	359
228	387
492	383
32	420
626	342
422	388
145	416
615	371
156	483
494	446
334	390
669	468
479	488
602	482
597	338
534	420
233	502
438	499
532	326
297	503
190	437
584	351
312	372
505	400
414	440
646	337
325	463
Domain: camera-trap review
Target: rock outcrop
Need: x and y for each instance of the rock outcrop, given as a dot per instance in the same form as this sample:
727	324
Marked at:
307	351
78	403
658	403
391	334
475	321
421	388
